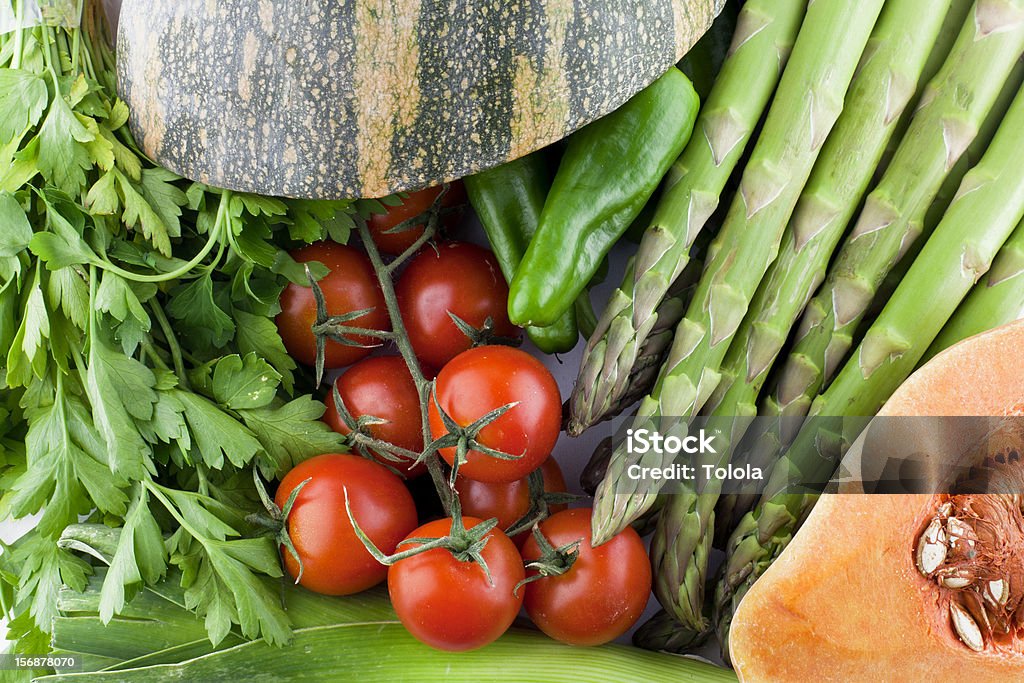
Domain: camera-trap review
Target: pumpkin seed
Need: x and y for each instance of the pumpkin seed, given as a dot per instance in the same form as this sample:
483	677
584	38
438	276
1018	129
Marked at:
931	548
958	529
998	592
956	582
966	627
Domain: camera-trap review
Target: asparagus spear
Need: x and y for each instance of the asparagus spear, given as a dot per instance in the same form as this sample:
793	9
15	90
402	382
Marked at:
884	85
950	185
996	300
954	106
661	633
655	345
764	34
950	31
806	106
989	204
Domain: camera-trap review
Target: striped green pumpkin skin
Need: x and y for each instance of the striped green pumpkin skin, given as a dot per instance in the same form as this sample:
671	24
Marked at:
362	98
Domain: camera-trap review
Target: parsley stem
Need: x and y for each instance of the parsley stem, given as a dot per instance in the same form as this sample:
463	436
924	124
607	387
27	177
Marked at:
150	351
157	491
76	40
216	236
19	34
48	43
172	343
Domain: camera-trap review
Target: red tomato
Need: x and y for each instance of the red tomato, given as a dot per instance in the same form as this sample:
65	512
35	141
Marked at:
603	593
382	387
448	603
488	377
350	286
509	502
415	204
456	277
334	560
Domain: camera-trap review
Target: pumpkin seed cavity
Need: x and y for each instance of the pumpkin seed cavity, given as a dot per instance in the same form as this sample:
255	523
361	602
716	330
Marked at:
973	549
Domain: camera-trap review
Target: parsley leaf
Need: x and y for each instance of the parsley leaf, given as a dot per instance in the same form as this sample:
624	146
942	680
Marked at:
68	471
291	433
216	433
44	568
140	557
218	571
164	197
258	334
200	316
26	357
66	288
139	213
120	388
23	98
63	247
124	301
247	382
16	232
102	198
63	159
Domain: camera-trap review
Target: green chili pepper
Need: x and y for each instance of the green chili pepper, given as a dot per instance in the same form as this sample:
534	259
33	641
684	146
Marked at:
508	199
608	172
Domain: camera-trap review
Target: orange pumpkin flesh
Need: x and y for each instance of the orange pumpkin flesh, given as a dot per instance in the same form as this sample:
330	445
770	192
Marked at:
846	601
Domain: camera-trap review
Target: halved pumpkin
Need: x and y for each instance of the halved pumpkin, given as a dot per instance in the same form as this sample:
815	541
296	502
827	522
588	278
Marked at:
332	99
848	599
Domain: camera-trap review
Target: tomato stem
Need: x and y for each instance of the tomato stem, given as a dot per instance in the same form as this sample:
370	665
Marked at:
465	545
276	519
540	504
363	441
552	561
484	335
400	337
434	214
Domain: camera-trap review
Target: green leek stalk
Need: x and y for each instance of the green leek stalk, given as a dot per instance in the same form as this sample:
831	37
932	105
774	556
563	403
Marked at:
980	220
885	83
382	651
354	638
806	106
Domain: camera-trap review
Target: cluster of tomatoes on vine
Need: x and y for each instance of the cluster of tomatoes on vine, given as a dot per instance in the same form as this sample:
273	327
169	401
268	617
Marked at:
457	404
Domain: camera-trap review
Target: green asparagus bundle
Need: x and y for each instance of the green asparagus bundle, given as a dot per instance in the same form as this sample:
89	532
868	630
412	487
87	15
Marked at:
885	83
996	300
981	218
766	447
764	34
806	106
954	105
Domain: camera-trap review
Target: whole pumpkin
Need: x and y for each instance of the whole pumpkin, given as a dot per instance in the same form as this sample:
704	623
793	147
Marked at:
330	99
848	601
